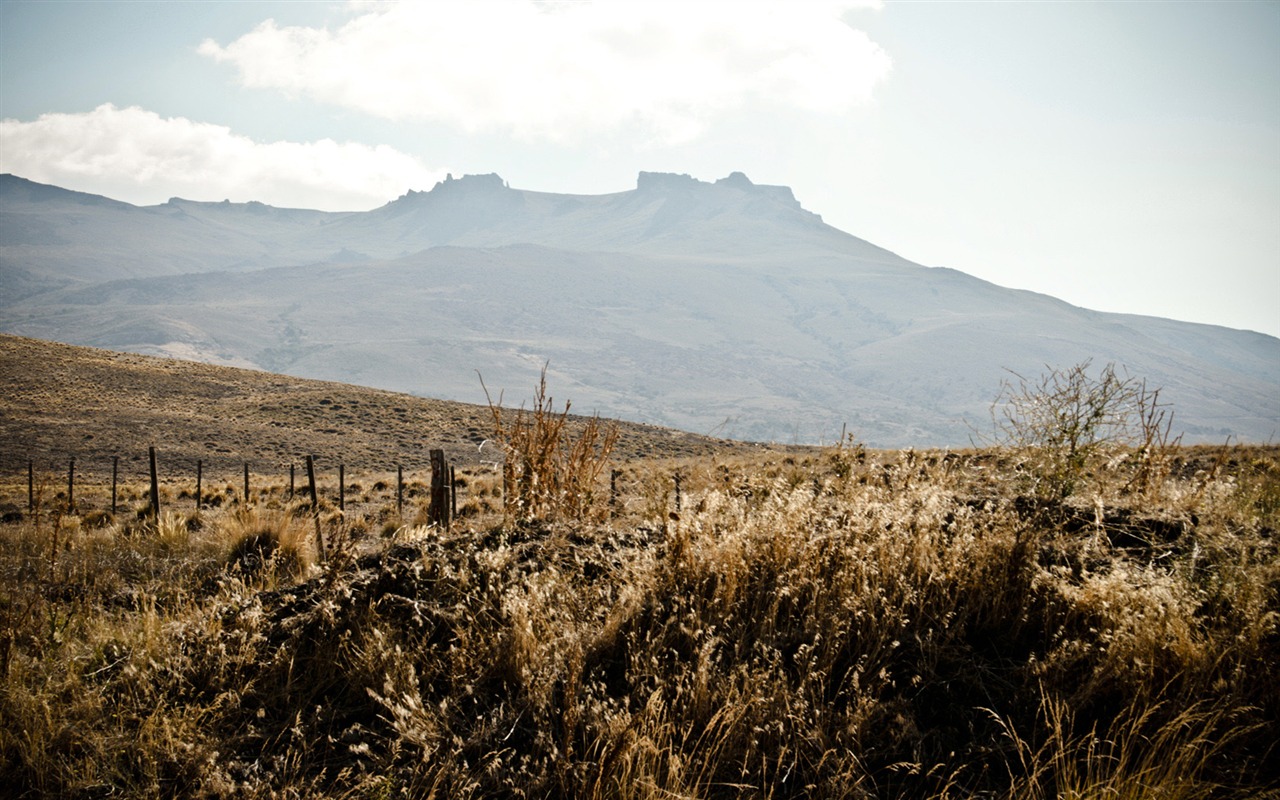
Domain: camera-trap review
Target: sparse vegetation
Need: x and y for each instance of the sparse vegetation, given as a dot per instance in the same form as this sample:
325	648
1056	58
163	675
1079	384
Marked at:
63	402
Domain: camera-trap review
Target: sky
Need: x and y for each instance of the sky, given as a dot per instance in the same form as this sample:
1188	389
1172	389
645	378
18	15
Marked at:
1122	156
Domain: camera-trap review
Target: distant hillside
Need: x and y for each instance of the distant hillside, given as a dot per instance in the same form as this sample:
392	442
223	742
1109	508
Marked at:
719	307
58	402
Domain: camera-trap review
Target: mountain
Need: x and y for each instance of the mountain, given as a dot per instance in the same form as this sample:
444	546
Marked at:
720	307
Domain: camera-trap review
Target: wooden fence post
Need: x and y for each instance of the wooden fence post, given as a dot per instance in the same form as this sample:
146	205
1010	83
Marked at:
453	492
199	480
439	511
115	473
31	486
246	484
290	481
677	476
400	491
71	487
613	490
315	507
342	488
155	486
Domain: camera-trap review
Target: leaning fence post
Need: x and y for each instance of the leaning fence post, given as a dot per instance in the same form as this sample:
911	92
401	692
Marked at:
155	486
315	506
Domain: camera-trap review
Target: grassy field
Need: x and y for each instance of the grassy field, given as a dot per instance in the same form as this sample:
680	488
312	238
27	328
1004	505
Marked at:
1083	609
838	623
59	402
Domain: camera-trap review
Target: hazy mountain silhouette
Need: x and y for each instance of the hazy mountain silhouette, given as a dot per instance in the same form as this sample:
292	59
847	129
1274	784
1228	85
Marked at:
719	306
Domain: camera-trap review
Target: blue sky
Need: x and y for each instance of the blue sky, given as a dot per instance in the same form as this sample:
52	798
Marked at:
1121	156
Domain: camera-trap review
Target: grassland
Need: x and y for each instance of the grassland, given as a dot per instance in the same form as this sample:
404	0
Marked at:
844	624
830	623
59	402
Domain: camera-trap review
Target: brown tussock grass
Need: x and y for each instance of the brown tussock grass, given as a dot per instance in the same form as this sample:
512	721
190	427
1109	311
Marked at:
843	624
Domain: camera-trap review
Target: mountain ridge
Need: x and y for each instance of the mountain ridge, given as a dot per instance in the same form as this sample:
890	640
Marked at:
700	305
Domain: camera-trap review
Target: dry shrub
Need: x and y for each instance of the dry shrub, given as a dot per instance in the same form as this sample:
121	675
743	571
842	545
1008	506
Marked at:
548	473
1068	422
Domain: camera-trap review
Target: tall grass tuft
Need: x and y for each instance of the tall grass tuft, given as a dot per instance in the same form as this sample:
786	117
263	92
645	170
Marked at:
547	472
267	544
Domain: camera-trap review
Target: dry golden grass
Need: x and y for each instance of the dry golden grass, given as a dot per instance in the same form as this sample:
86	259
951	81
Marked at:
60	402
842	624
547	472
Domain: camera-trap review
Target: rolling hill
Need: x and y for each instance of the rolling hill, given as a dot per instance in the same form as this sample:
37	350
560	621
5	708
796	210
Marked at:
61	402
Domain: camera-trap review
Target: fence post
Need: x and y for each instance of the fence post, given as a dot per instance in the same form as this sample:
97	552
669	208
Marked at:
31	486
613	490
315	507
71	487
291	481
677	476
246	484
453	492
342	488
439	512
155	486
399	491
115	472
199	479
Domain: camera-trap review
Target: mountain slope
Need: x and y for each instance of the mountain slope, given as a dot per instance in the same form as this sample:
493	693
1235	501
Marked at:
719	307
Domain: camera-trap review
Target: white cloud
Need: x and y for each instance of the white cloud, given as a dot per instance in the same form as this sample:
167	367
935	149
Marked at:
565	71
136	155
